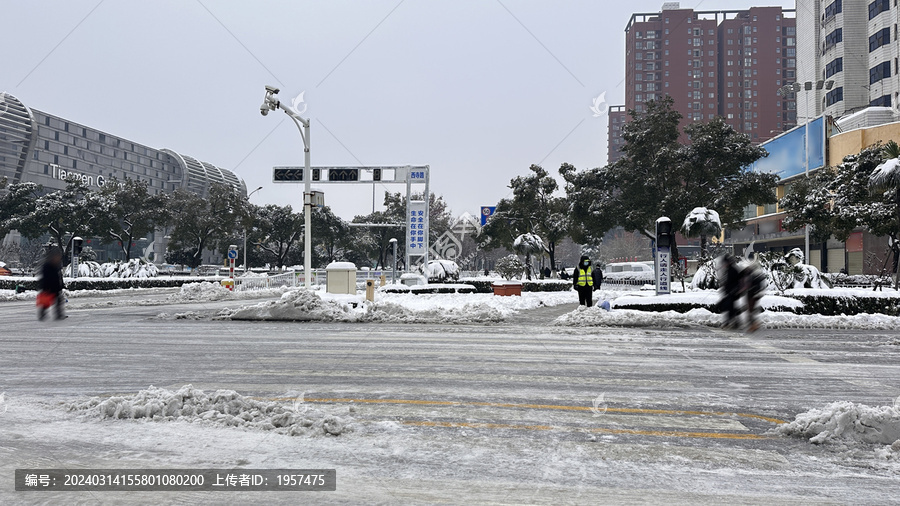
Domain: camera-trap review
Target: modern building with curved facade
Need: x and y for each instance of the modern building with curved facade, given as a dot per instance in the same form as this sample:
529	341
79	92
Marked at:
46	149
42	148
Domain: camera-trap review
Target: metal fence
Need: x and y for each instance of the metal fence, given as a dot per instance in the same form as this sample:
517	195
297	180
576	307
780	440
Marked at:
297	279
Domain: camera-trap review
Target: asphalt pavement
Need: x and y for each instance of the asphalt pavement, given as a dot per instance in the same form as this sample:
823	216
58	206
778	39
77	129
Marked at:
518	412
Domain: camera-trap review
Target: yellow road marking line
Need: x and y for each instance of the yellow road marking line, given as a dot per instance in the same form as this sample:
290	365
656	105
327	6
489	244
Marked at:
536	406
662	433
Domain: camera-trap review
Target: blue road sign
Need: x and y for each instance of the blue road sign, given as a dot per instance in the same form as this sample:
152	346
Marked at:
487	212
232	254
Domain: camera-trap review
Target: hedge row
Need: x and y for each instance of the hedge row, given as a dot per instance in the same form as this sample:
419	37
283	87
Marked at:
484	286
813	305
436	288
12	283
821	304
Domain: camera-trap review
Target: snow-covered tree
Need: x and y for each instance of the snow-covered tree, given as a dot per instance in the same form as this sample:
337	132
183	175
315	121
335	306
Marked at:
440	271
535	208
704	223
528	245
63	214
660	176
277	231
202	222
840	200
132	212
16	201
331	235
885	179
510	266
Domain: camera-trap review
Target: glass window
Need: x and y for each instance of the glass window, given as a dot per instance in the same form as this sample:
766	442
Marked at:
878	6
879	38
834	96
833	8
879	72
833	67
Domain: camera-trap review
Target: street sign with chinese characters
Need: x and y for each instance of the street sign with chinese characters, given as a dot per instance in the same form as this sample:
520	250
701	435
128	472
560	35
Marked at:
663	270
417	228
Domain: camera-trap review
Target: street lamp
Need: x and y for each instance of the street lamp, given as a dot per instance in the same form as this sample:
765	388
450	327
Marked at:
245	230
270	103
393	242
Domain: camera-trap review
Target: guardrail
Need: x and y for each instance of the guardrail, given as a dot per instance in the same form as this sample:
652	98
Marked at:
297	279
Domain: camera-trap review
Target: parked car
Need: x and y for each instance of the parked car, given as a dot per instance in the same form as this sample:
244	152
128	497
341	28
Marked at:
4	270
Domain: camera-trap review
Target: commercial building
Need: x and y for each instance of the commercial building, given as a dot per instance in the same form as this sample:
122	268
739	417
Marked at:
821	143
848	99
713	63
42	148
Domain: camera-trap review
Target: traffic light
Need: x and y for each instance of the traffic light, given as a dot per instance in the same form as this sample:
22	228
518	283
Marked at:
317	175
77	243
665	238
376	175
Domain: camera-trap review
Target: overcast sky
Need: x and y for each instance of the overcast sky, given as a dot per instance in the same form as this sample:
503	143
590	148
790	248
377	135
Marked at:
478	90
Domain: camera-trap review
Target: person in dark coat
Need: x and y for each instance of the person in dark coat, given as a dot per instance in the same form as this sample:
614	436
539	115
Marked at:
583	281
598	278
51	282
731	291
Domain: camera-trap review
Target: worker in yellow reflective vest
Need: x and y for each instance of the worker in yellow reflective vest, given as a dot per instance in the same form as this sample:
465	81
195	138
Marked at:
583	279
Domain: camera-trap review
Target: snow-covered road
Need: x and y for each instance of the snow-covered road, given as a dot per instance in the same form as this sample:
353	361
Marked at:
517	412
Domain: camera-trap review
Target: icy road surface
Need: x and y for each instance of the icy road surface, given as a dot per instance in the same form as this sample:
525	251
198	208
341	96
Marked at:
510	413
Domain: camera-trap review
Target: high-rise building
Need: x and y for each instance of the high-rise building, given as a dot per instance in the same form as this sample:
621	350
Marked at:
852	44
714	63
618	114
758	55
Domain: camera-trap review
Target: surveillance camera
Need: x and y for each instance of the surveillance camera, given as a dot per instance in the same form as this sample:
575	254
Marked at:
264	109
272	89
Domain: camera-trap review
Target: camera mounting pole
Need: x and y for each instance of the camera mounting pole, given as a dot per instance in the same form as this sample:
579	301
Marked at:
271	103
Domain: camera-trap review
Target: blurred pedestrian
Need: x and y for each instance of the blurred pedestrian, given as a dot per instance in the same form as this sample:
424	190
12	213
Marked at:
51	285
583	280
754	285
731	291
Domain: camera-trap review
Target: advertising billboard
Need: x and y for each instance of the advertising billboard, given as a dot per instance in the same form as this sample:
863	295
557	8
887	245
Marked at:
790	151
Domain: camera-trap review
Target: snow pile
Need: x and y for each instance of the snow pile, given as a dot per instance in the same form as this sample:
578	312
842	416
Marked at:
701	297
598	317
298	305
706	277
864	321
251	274
848	422
9	295
389	312
204	291
134	268
222	407
302	305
